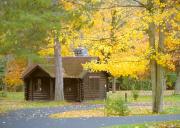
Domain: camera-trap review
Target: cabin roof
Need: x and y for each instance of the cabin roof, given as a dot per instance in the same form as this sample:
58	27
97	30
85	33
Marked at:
72	67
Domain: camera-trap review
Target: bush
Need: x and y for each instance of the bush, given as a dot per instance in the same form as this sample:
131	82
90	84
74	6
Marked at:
129	83
135	94
115	106
3	94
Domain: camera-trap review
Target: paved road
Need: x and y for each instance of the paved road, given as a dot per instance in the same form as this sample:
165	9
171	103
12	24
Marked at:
38	118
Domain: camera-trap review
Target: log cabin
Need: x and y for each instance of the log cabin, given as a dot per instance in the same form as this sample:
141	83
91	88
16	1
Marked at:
79	84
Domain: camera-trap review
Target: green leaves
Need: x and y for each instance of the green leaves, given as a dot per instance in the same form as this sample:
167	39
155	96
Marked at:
115	106
25	24
2	70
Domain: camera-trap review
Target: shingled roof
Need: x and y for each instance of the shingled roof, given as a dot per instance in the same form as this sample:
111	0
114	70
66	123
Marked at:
72	67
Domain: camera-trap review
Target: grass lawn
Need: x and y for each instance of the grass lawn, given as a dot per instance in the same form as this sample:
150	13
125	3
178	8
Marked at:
169	124
132	110
15	100
100	112
172	98
167	99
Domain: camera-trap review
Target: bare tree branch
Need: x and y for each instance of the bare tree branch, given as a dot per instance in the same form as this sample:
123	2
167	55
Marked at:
110	7
120	6
140	3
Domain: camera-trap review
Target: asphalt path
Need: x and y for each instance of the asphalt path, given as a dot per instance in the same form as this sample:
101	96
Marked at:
38	118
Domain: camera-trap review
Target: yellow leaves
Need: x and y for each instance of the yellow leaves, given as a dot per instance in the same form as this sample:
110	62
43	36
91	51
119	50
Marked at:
126	69
159	4
79	113
172	42
120	66
67	5
15	69
66	51
165	60
46	52
65	48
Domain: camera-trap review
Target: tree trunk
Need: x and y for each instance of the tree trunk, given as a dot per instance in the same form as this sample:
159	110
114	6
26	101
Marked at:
114	85
158	107
160	85
153	66
177	86
59	87
157	71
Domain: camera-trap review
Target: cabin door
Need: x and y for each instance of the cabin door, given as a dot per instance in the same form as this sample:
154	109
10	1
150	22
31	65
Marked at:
70	89
41	88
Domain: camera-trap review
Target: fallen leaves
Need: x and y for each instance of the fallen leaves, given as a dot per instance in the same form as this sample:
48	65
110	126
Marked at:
79	113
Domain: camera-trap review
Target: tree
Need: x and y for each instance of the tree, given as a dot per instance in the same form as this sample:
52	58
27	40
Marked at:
26	25
14	72
59	86
157	20
59	91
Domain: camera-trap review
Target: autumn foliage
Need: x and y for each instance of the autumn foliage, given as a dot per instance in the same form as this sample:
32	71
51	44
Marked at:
14	72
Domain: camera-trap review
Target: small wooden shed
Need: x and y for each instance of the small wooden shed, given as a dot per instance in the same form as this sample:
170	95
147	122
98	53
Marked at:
79	84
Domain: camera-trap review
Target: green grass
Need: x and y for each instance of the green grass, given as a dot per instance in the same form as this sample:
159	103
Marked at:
172	110
96	102
15	100
18	96
168	124
172	98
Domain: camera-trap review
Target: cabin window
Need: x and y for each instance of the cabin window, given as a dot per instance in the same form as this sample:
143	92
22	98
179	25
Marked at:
94	82
38	87
69	89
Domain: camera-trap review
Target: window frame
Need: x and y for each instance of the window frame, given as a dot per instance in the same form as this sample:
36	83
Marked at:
94	83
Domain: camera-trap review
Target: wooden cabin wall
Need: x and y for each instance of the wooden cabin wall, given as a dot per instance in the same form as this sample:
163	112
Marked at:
52	88
81	90
26	90
31	94
96	93
72	89
47	91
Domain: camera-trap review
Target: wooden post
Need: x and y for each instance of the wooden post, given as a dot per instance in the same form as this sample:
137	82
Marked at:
114	85
31	88
125	97
51	89
81	90
78	90
25	91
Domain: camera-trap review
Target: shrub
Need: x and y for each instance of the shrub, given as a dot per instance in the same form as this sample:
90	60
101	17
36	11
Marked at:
135	94
115	106
3	94
140	84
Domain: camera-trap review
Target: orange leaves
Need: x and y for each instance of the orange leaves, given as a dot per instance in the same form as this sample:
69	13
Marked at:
15	69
